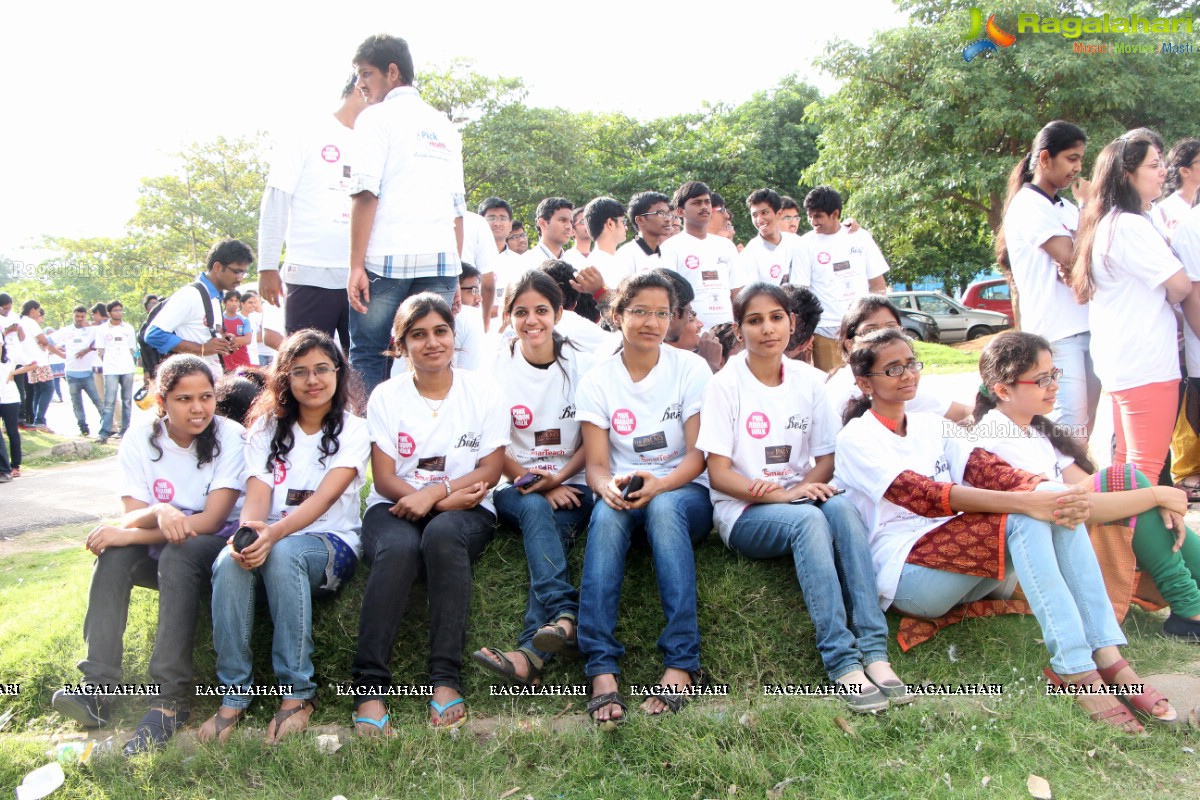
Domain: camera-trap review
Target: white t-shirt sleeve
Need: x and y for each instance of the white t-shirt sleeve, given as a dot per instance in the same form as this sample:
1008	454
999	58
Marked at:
589	402
876	264
1147	256
258	447
179	309
1187	244
718	419
230	470
1035	220
695	379
380	426
370	147
354	446
133	457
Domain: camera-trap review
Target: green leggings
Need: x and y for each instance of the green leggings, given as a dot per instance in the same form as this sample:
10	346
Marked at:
1177	574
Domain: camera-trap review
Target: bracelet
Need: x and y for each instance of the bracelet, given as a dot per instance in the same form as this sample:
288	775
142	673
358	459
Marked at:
202	349
447	488
599	292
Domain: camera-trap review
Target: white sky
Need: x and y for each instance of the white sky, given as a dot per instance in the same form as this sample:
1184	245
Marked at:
98	95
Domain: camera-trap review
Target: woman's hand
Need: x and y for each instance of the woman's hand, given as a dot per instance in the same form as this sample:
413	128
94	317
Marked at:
550	480
761	488
610	492
104	536
256	554
417	505
651	487
813	491
173	523
564	497
1067	508
464	498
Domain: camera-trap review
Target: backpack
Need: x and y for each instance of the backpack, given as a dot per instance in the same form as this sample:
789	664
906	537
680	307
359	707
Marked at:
151	358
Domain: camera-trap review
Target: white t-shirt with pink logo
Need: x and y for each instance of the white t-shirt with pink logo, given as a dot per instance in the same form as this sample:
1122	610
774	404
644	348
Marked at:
762	261
838	268
427	449
707	264
645	419
769	432
175	478
300	474
544	430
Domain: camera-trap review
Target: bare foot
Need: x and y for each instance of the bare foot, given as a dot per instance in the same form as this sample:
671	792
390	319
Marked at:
672	680
449	716
376	710
604	684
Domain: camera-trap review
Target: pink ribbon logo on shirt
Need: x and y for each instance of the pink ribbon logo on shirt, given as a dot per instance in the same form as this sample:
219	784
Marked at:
164	491
757	425
623	421
405	445
522	417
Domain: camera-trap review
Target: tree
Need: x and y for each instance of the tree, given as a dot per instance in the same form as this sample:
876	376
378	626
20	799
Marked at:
921	142
461	93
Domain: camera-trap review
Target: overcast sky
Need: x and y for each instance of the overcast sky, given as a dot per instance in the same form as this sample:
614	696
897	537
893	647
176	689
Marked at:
98	95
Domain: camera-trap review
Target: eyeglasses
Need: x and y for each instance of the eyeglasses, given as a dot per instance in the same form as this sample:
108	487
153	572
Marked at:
493	219
238	272
642	313
303	373
521	235
1045	381
790	218
896	370
659	214
470	289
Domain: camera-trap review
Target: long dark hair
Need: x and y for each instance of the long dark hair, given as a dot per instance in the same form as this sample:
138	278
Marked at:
862	361
1003	361
1053	138
415	308
541	283
1112	189
858	313
169	373
1183	154
279	404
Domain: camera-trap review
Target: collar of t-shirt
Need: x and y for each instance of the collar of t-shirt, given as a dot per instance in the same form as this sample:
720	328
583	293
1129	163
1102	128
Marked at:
550	255
213	291
1056	200
401	91
657	251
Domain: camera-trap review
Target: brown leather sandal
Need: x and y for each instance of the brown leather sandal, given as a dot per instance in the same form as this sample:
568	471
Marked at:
1142	704
1116	717
284	714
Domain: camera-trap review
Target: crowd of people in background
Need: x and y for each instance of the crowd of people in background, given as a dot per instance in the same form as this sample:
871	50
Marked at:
658	386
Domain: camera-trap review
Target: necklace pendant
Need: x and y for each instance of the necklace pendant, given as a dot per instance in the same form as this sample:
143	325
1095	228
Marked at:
435	413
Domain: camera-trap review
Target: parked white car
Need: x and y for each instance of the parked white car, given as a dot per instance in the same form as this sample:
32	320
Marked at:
956	322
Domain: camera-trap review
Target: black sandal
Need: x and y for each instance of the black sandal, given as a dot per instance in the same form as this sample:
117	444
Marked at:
503	666
222	724
599	702
284	714
552	638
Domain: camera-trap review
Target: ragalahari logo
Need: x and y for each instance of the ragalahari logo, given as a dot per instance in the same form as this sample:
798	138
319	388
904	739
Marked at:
985	38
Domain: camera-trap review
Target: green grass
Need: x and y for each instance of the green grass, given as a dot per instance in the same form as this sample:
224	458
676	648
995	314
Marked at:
35	448
755	632
942	360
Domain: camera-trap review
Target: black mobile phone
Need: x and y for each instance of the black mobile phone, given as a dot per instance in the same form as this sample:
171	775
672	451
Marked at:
635	483
243	537
805	500
528	479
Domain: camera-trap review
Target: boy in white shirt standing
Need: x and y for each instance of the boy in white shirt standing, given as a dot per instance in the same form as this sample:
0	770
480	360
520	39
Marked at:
706	261
115	342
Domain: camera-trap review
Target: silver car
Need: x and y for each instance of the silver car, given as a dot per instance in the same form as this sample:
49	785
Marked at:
956	322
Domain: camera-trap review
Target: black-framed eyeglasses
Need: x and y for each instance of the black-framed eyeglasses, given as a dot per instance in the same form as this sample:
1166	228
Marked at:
659	214
1044	381
521	235
470	289
896	370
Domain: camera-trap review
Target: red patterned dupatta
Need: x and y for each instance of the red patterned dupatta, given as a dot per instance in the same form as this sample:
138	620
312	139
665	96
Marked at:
1114	550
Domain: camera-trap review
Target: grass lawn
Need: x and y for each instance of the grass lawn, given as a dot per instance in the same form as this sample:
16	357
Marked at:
35	449
755	632
940	359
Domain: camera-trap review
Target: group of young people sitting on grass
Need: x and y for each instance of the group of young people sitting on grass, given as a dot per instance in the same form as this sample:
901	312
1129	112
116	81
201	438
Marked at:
881	504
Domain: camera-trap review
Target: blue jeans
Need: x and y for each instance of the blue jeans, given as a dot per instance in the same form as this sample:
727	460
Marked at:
370	333
40	395
77	387
111	384
548	535
833	565
293	569
1078	388
1060	578
675	522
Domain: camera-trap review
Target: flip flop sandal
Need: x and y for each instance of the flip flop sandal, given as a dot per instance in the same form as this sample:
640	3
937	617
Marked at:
1116	717
381	724
284	714
222	724
503	666
552	638
441	709
154	731
599	702
1142	704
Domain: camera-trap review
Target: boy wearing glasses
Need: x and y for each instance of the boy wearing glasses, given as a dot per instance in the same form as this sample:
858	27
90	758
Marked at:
650	214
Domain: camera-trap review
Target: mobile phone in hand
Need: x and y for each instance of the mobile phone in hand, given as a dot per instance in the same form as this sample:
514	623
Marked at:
528	479
635	483
799	501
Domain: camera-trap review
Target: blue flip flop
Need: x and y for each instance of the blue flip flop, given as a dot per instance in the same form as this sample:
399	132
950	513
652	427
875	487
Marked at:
378	723
441	709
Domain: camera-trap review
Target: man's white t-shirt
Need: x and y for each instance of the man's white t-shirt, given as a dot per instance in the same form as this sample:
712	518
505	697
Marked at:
1133	327
609	265
587	334
300	473
1047	305
645	419
575	258
1024	448
118	343
436	450
838	268
183	315
769	432
869	459
634	260
75	339
479	246
762	261
707	264
174	478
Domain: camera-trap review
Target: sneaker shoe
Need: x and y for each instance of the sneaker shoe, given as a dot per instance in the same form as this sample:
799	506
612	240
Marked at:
155	730
1177	627
86	709
84	431
5	477
101	440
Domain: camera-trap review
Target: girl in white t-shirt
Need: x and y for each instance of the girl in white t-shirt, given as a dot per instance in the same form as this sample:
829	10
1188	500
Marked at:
1125	269
538	376
1010	413
769	436
10	411
1183	181
181	477
867	314
952	524
640	413
1036	245
437	448
306	456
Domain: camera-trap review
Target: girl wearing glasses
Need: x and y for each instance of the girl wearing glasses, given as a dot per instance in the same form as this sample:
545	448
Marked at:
951	523
437	447
306	455
1018	389
546	498
769	435
640	413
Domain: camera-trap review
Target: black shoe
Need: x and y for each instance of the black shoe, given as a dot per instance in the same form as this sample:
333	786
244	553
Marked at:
155	730
84	431
86	709
1177	627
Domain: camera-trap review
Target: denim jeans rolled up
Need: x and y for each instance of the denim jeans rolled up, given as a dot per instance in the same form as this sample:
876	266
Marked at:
116	571
443	546
113	384
833	566
675	522
548	535
294	568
